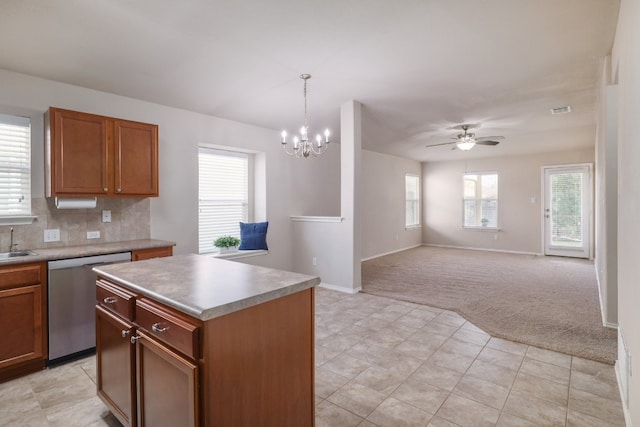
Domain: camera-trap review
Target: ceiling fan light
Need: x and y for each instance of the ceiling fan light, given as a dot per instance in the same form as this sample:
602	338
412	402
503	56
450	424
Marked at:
466	146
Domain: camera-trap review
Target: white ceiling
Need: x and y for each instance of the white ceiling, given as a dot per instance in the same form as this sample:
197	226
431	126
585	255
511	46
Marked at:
420	67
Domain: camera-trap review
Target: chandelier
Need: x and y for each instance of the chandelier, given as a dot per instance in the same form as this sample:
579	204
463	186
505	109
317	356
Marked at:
301	146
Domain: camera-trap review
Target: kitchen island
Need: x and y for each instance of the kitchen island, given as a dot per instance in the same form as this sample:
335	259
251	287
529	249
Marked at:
192	340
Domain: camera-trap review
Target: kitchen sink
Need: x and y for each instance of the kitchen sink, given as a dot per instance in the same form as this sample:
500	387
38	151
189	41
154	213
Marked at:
16	254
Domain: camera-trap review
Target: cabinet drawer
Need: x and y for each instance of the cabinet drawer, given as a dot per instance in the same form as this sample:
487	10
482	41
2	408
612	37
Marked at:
115	299
169	327
16	276
142	254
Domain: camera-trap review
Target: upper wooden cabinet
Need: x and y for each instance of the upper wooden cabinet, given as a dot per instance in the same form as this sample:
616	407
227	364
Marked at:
91	155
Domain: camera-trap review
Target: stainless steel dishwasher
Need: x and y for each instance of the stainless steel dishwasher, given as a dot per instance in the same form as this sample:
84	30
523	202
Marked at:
72	301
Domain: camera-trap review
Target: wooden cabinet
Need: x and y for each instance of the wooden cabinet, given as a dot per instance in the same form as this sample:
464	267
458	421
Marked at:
23	324
252	367
165	380
142	254
144	375
92	155
115	365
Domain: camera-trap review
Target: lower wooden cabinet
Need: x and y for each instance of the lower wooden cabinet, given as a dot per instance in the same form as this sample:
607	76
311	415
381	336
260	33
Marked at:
23	324
252	367
115	363
143	381
165	380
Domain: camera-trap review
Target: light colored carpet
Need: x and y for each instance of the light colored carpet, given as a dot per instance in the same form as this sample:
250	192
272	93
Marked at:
548	302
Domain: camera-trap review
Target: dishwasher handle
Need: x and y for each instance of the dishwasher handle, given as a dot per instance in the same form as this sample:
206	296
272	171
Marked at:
97	264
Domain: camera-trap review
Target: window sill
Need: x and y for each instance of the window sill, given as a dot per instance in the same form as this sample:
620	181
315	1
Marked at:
412	227
316	218
491	229
238	254
17	220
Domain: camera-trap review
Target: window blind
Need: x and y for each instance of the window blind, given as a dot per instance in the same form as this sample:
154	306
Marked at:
412	198
15	165
223	195
480	204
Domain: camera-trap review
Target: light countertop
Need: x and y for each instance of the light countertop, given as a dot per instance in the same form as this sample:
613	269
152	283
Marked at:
205	287
65	252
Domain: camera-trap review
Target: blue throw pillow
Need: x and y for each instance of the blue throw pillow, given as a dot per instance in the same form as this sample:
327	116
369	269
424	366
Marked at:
253	236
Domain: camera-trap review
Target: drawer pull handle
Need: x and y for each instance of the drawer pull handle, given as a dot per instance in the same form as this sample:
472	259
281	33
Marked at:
134	339
125	333
110	300
158	329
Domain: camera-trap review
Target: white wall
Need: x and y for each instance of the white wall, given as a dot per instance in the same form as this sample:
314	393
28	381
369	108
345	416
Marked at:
383	204
336	244
606	200
626	65
174	215
519	220
315	186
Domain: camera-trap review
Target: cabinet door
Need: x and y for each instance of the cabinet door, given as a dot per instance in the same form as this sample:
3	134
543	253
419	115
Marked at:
79	153
167	386
21	326
136	158
115	359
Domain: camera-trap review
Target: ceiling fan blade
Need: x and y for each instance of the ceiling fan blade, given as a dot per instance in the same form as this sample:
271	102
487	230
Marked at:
444	143
487	142
487	138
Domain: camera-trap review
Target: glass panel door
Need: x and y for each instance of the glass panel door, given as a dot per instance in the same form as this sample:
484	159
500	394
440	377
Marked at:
567	211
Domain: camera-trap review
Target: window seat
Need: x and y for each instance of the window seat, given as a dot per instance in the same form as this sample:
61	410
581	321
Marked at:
239	254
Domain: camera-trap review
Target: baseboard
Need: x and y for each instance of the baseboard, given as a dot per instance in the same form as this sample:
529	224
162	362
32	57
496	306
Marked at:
604	321
483	249
340	288
389	253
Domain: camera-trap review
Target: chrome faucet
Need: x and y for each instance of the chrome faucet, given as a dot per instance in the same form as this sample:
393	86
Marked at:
11	244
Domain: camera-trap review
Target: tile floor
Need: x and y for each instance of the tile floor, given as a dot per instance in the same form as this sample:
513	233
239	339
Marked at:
381	362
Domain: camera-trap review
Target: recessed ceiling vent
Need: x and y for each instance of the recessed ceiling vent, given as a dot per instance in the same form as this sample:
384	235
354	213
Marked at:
561	110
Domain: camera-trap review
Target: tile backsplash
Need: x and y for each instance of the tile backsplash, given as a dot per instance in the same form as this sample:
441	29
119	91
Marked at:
129	221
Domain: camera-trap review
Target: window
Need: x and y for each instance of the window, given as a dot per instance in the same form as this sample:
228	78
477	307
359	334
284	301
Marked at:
15	166
412	198
480	203
223	195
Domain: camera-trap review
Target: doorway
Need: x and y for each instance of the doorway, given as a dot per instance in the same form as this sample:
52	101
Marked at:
567	210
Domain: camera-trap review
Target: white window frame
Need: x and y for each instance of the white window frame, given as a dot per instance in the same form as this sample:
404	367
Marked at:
408	200
246	200
15	169
479	198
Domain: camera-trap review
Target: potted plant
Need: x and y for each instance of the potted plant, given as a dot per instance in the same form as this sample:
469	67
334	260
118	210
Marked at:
227	244
484	221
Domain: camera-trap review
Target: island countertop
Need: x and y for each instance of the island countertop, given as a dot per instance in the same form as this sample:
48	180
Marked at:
205	287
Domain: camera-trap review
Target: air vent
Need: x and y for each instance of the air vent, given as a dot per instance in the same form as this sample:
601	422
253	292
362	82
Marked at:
561	110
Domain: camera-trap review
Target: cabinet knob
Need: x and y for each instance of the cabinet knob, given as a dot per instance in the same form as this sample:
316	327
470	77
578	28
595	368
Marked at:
134	339
110	300
156	327
105	189
125	333
119	190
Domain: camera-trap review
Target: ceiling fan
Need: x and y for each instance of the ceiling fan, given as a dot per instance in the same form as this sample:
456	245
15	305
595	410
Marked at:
466	141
